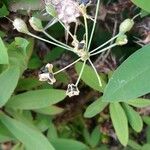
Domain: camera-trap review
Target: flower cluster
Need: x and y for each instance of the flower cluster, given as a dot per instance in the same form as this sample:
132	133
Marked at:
65	12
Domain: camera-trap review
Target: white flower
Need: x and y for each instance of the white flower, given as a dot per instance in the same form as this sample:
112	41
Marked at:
67	11
72	90
20	25
46	74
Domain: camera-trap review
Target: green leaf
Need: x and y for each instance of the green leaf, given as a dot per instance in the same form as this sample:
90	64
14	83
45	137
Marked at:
20	52
42	122
139	102
36	99
146	120
68	144
3	53
129	81
8	79
120	122
134	118
95	108
52	132
5	135
18	146
134	145
146	147
3	11
50	110
28	84
144	4
95	137
53	54
89	77
148	134
32	139
34	63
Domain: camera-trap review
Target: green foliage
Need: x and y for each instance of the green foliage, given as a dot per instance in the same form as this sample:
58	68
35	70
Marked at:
36	99
29	108
134	118
23	133
89	77
3	11
9	79
140	102
63	144
120	122
129	81
144	4
95	108
3	53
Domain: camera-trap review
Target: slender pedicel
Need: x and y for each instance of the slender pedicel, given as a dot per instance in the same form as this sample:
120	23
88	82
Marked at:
136	16
61	43
37	37
67	66
105	43
98	77
67	30
81	72
86	30
104	49
94	24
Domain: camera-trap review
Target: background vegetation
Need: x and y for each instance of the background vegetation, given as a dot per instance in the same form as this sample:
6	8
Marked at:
37	116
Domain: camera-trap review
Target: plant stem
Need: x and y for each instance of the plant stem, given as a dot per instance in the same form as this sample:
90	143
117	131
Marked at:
86	29
67	66
136	16
81	72
94	24
49	36
42	39
98	77
67	30
105	43
104	49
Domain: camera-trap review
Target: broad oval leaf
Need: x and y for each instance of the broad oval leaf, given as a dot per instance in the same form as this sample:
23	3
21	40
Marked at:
95	108
3	53
32	139
36	99
130	80
120	122
8	79
144	4
134	118
89	77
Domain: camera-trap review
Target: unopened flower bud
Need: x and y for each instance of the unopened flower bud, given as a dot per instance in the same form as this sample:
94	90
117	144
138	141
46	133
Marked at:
122	40
126	25
50	9
20	26
36	24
